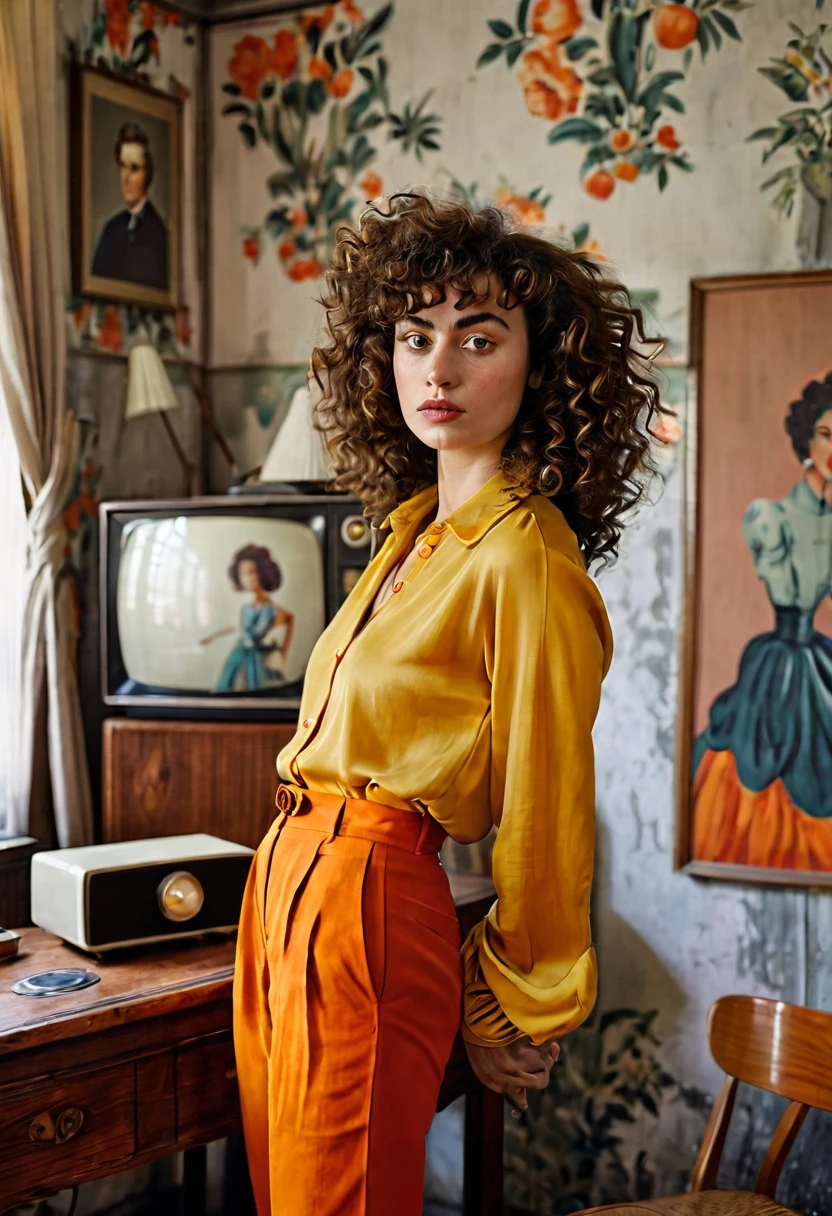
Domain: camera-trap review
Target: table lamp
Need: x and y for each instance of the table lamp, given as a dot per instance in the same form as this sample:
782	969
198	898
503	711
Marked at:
298	453
149	391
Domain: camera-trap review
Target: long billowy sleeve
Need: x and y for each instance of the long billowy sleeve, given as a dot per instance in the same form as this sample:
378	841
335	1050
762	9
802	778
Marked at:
529	966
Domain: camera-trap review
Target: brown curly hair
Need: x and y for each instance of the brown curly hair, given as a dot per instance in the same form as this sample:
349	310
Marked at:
581	438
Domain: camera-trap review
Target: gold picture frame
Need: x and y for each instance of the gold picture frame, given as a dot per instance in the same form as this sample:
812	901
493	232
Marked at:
126	175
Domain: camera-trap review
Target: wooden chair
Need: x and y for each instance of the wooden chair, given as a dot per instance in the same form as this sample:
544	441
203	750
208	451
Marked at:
782	1048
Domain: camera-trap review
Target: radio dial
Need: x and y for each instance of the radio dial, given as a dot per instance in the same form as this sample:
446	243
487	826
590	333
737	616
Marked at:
355	531
180	896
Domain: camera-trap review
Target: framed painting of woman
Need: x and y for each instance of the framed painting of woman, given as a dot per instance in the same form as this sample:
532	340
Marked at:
755	727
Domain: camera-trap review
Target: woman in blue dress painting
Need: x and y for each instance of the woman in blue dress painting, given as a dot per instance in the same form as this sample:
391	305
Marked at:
762	787
257	660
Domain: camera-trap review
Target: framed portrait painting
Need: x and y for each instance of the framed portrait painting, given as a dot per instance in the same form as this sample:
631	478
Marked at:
755	742
125	153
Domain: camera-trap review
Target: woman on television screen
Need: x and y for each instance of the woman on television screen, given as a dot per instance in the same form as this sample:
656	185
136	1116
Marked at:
484	395
257	659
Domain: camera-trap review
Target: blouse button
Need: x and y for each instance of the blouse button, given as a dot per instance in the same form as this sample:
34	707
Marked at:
398	586
437	527
425	551
307	723
338	653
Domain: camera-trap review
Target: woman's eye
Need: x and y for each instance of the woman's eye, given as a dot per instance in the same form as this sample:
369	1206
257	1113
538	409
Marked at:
478	342
416	341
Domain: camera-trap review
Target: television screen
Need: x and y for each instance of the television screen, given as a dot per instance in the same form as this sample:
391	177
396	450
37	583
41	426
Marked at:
219	604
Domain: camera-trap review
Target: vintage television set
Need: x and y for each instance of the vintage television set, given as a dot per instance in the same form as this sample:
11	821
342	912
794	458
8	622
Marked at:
211	606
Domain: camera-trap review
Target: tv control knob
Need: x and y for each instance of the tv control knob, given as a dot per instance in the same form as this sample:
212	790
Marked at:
180	896
355	531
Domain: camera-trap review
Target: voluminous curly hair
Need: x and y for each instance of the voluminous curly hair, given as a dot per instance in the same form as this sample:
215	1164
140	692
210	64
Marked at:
581	438
800	422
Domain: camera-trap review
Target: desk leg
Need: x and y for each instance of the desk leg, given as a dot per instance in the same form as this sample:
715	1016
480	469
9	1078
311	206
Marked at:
195	1180
482	1193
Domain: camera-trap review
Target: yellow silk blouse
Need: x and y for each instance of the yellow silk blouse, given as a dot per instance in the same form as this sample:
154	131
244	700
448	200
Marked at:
471	694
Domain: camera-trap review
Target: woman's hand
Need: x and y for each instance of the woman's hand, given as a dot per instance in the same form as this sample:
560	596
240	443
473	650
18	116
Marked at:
515	1068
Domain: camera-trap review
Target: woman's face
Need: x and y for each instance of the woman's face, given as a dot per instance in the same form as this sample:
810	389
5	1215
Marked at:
460	373
247	575
820	447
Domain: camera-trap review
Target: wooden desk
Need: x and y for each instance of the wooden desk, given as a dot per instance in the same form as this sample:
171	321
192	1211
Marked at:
141	1066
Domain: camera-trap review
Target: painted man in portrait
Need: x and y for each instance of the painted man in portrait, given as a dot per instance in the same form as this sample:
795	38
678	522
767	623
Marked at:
133	245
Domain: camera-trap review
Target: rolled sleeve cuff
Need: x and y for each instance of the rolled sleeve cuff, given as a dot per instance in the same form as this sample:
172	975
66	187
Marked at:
500	1006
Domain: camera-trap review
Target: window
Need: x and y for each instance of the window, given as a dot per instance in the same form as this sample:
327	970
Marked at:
12	591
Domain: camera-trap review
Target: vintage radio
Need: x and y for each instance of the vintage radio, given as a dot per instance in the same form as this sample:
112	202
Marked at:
108	896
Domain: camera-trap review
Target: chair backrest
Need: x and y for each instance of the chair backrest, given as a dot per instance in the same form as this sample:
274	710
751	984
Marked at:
782	1048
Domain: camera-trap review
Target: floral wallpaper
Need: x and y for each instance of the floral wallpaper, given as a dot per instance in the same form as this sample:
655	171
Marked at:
624	94
318	96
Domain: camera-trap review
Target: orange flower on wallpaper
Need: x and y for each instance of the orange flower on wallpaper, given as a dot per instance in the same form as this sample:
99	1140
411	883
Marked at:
522	210
318	69
148	14
109	332
284	57
318	22
81	316
250	64
341	83
666	138
184	329
118	25
286	249
667	430
558	20
592	248
371	185
251	249
305	268
622	141
552	89
626	171
352	12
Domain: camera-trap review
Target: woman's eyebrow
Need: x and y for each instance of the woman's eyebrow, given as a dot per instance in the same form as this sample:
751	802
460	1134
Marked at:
466	322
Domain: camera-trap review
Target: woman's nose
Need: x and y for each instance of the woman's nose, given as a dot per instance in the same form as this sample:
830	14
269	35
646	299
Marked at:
441	372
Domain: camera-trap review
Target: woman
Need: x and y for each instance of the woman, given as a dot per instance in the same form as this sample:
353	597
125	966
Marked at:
253	662
482	397
761	792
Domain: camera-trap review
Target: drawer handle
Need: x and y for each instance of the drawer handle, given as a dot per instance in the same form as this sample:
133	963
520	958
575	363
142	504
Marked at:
44	1128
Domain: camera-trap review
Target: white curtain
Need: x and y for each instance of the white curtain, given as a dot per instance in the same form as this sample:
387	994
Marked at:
32	378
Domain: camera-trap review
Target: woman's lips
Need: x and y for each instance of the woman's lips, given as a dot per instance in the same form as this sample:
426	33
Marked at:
439	411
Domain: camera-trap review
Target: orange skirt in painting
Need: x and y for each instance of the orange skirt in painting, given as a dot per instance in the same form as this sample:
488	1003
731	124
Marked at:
736	825
347	1000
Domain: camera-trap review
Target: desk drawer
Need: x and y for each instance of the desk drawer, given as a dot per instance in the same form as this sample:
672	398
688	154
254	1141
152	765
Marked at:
207	1097
52	1131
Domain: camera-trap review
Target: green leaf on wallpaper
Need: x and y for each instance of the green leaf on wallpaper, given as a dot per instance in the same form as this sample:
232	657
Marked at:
597	155
787	78
580	129
687	59
650	57
522	14
267	90
624	39
702	38
662	175
233	90
283	148
602	76
681	163
248	133
762	133
280	183
786	135
315	96
597	7
490	53
580	234
605	105
330	56
780	176
576	48
236	107
728	25
651	93
513	51
716	37
262	125
363	34
501	28
672	102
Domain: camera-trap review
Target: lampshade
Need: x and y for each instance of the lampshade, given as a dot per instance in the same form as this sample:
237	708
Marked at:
298	452
149	390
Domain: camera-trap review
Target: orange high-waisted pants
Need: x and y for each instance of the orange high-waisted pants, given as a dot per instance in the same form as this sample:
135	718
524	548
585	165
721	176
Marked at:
347	999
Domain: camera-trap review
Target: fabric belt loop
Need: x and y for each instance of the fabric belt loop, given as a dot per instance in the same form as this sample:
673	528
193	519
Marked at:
431	837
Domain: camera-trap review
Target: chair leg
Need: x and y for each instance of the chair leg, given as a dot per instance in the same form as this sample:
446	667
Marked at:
482	1190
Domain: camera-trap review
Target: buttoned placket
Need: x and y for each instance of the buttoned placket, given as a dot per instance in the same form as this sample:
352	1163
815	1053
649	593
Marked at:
425	545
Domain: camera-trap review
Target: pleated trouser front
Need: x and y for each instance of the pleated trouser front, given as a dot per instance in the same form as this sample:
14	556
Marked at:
347	999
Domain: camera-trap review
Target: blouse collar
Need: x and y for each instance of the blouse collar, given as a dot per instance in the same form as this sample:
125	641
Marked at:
470	521
805	498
